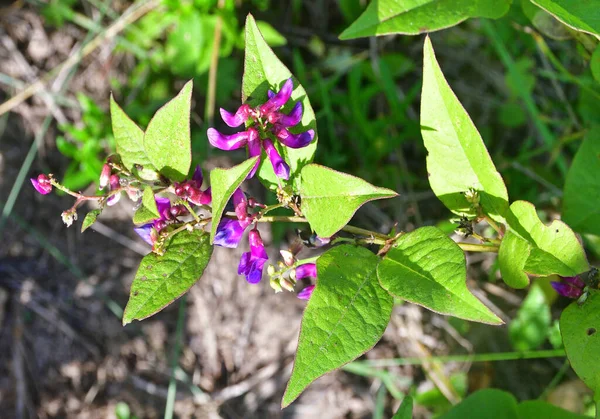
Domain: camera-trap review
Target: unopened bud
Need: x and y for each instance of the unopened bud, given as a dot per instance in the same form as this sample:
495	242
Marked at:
287	284
42	184
472	196
271	270
104	176
114	182
293	274
274	282
69	216
288	257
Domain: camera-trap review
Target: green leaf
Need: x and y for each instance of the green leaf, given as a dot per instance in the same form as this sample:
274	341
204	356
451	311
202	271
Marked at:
583	16
148	211
90	219
530	247
264	71
167	138
405	409
160	280
346	316
458	160
386	17
330	198
427	268
129	138
595	63
580	329
485	404
581	202
532	325
223	183
539	409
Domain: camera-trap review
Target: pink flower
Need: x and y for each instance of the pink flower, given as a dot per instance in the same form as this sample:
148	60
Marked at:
42	184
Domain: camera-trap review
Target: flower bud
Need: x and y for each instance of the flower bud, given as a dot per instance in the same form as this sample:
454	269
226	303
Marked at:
274	282
104	176
42	184
287	284
288	257
271	270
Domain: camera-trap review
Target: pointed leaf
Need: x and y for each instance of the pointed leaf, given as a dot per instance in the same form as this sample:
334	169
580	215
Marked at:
167	138
223	183
386	17
90	219
330	198
458	160
405	411
580	329
264	71
581	202
148	211
530	247
129	138
160	280
580	15
427	268
346	316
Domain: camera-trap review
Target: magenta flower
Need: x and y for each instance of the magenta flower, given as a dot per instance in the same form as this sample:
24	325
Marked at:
149	232
307	270
570	286
252	262
230	231
42	184
268	120
104	176
114	183
192	189
306	292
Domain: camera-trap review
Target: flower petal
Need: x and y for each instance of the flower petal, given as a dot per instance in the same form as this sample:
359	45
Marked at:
306	270
238	118
254	149
229	233
41	187
282	170
145	232
566	290
293	140
227	142
198	177
279	99
293	118
306	292
574	280
163	205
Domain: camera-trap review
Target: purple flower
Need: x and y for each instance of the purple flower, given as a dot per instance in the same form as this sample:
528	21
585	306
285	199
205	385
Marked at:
306	292
570	286
192	189
230	231
114	184
149	232
306	270
42	184
264	122
252	262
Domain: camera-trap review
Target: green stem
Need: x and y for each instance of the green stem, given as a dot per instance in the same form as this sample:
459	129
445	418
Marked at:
474	247
187	205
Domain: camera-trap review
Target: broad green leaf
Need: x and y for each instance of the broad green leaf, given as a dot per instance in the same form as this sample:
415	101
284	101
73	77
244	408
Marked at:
270	34
580	329
532	325
485	404
581	15
90	219
346	316
545	22
413	17
148	211
264	71
581	201
595	63
160	280
405	410
129	138
426	267
539	409
330	198
167	138
223	183
458	160
530	247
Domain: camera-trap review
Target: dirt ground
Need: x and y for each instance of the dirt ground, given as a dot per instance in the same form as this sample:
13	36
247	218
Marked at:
63	350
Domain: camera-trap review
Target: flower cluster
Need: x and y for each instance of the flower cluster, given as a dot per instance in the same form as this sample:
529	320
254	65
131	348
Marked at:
168	214
264	124
191	189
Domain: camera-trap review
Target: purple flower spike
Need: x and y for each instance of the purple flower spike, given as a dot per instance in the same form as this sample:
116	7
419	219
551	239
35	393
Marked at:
238	118
42	184
306	270
145	232
294	140
306	292
229	233
252	262
282	170
279	99
227	142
